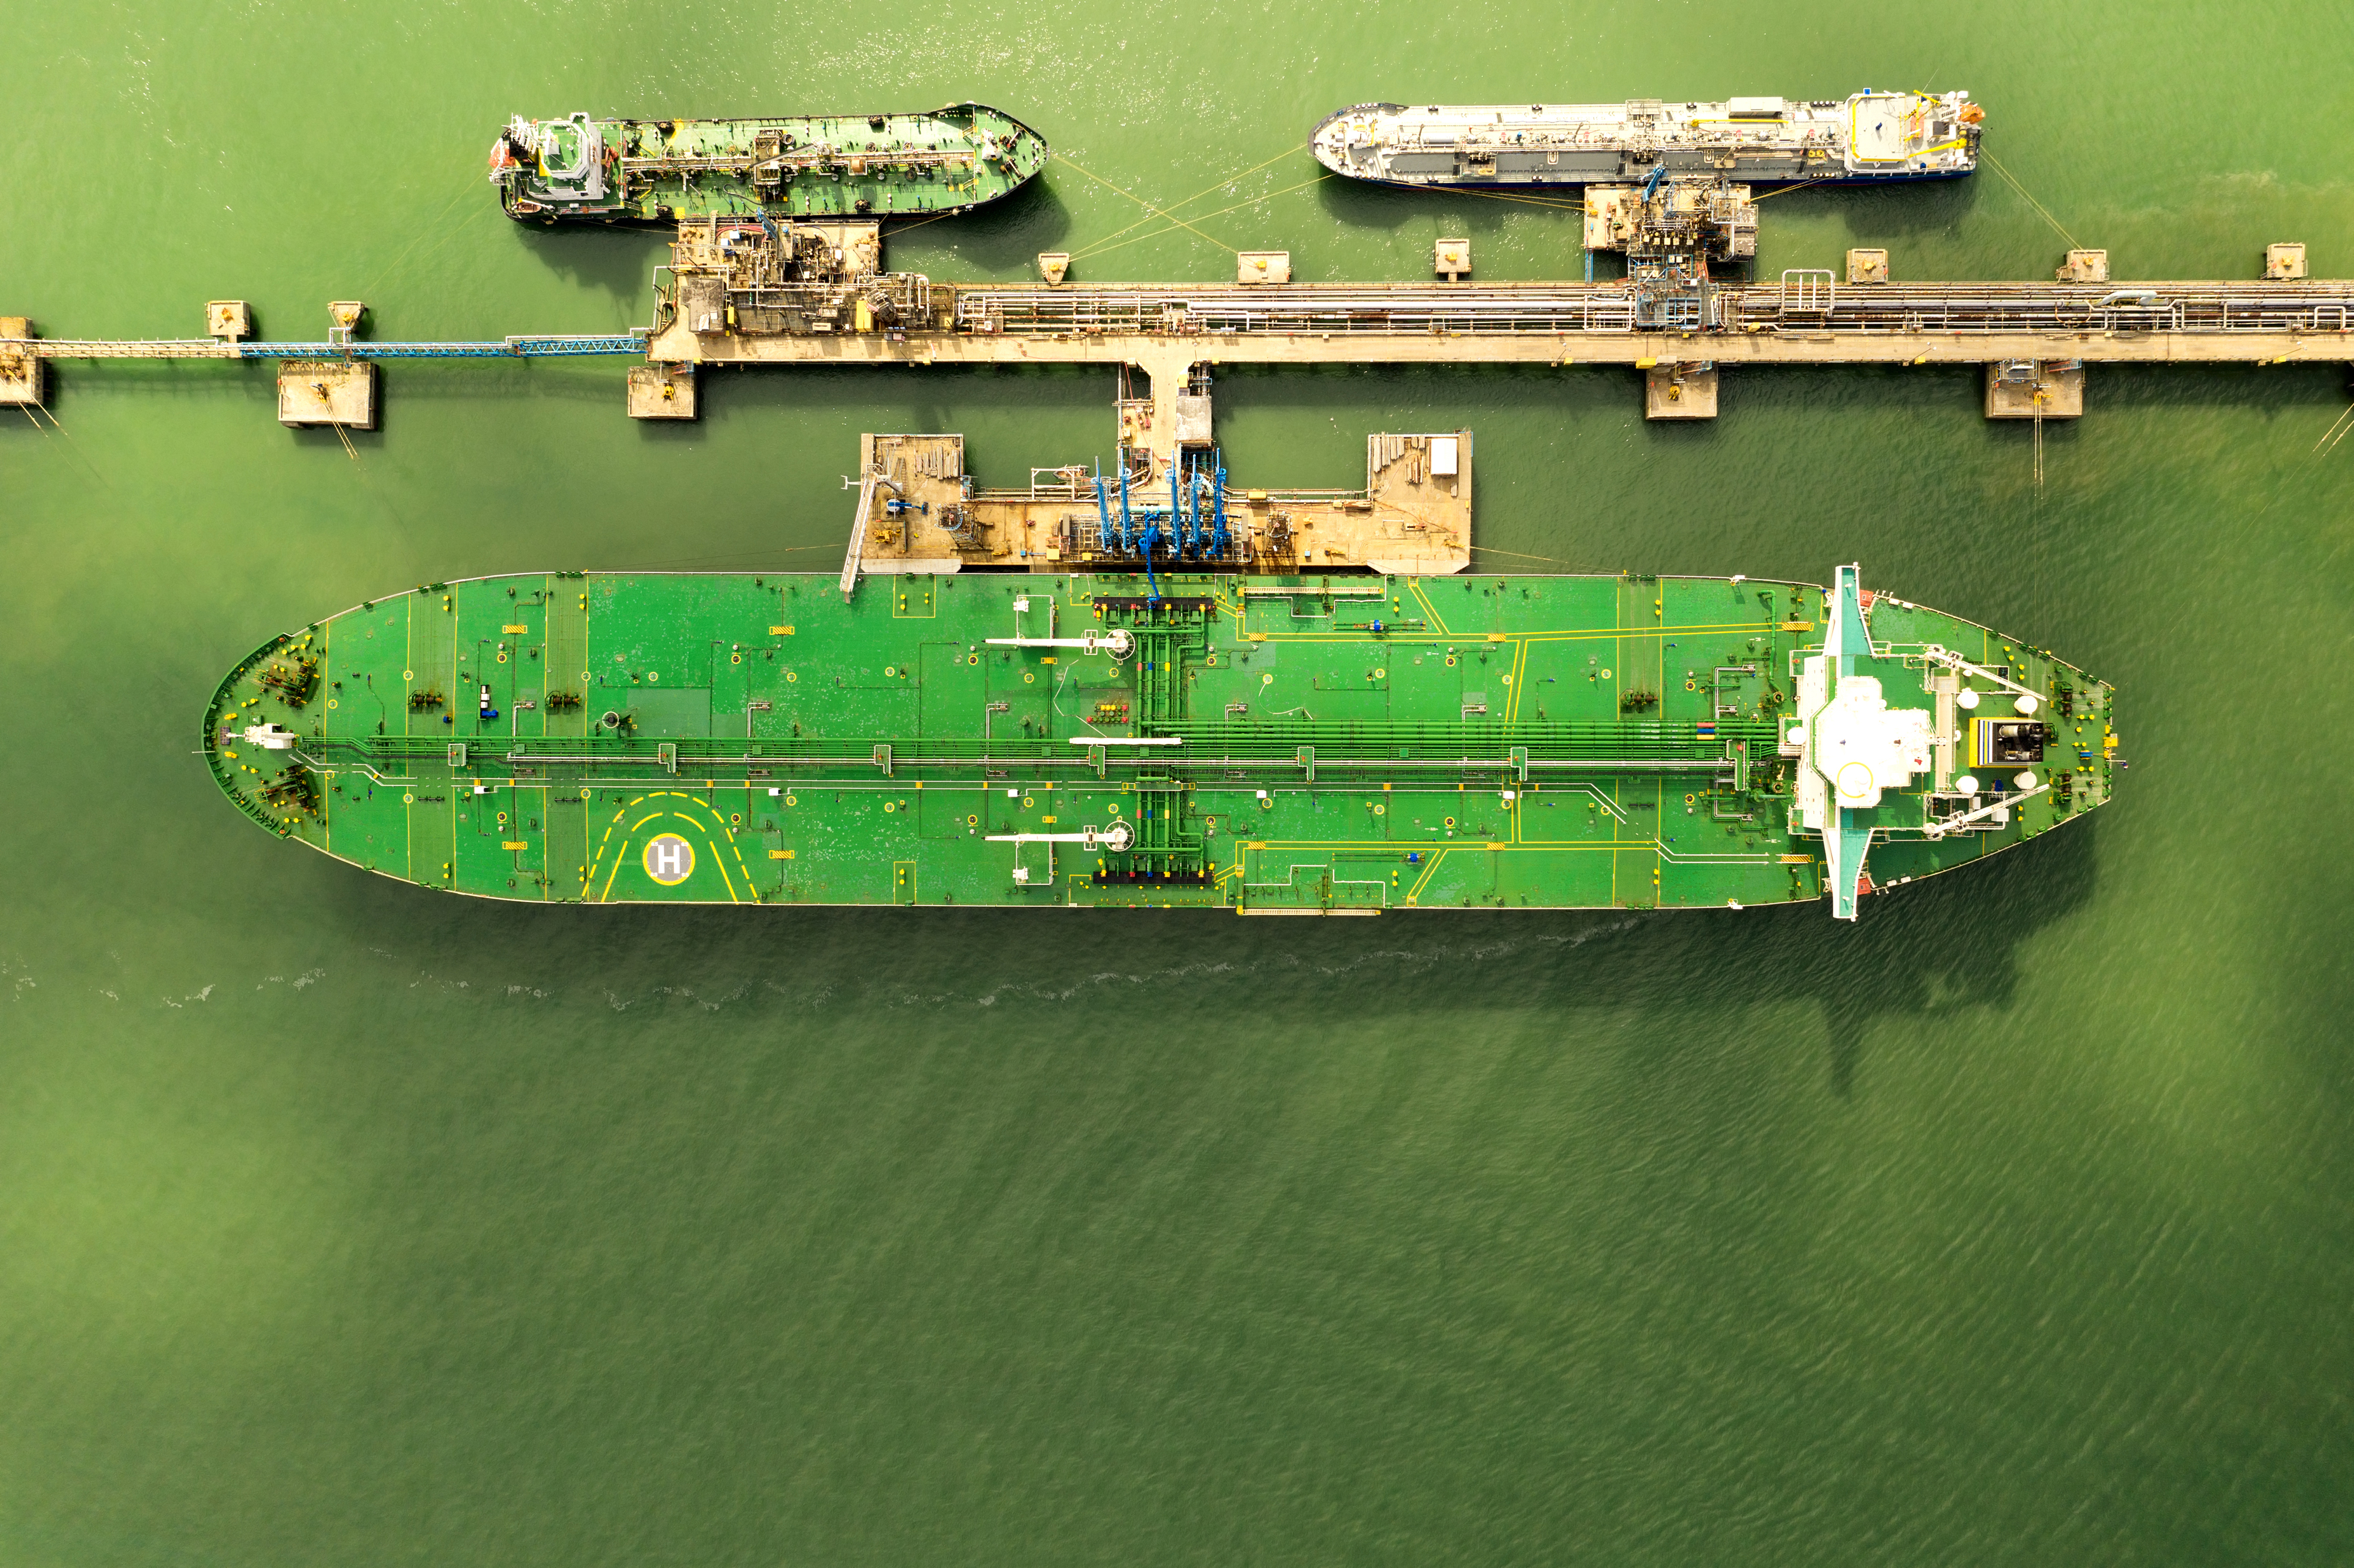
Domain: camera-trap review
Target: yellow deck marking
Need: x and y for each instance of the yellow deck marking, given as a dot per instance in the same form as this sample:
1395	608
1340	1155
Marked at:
454	796
1602	634
724	879
1429	609
326	684
1520	669
608	838
1414	893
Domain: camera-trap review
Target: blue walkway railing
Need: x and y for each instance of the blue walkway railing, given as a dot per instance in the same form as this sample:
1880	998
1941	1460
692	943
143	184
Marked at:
506	348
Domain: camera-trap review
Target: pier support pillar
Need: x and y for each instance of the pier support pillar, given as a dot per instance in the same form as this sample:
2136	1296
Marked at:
23	374
662	392
2027	389
1679	391
327	392
1263	267
2083	267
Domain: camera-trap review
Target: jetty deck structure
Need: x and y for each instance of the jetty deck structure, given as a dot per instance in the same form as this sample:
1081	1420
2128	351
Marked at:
2035	340
2038	334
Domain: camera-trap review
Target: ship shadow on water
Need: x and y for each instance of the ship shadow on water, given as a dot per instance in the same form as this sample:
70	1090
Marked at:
617	261
1367	205
1000	239
1870	214
1939	948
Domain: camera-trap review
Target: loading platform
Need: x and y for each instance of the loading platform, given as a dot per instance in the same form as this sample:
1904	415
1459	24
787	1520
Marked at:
919	514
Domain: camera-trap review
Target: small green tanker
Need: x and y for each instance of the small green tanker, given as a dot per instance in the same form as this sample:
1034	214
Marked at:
1312	744
584	170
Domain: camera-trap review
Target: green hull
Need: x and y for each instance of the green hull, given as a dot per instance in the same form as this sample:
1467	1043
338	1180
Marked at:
1334	745
584	170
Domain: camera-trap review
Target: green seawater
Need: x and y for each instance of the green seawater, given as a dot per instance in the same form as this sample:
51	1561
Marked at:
343	1223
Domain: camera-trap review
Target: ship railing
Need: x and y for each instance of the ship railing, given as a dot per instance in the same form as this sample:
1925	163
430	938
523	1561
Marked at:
1256	311
2031	308
1808	291
1812	298
1236	743
1069	483
525	346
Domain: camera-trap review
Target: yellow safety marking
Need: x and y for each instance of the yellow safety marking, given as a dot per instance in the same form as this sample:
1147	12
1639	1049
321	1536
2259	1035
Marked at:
724	880
1419	592
608	838
1604	635
1539	846
1414	893
409	657
1520	664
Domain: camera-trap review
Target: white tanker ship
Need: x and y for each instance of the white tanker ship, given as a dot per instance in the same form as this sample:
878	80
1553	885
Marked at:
1866	138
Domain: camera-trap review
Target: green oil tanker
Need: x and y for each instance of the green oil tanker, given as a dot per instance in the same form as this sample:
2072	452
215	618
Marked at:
1306	745
585	170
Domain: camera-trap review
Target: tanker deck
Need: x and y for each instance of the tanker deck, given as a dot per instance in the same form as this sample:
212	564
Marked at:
1306	745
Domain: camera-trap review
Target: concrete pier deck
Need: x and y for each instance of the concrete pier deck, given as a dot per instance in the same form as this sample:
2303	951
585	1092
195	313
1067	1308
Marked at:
1805	318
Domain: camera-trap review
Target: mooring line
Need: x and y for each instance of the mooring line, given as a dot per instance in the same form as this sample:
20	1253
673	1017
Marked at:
1206	190
1145	205
1995	164
1102	249
2336	433
394	264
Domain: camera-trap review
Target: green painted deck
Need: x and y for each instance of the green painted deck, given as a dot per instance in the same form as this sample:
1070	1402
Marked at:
655	171
1314	744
